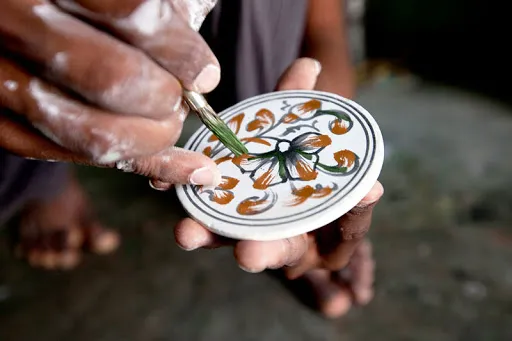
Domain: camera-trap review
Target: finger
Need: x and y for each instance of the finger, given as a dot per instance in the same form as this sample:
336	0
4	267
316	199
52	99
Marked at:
310	260
255	256
361	271
25	142
337	242
160	185
169	167
301	75
81	58
175	166
332	299
102	136
191	235
161	29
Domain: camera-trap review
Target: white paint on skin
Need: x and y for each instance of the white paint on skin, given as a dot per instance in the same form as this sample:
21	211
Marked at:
51	16
183	115
126	166
48	133
117	149
109	157
104	146
11	85
60	62
148	18
141	92
47	102
72	7
198	10
63	23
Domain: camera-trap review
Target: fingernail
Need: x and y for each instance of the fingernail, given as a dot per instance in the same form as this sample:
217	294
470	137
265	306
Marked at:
318	66
252	271
192	248
207	79
194	242
373	196
205	176
159	185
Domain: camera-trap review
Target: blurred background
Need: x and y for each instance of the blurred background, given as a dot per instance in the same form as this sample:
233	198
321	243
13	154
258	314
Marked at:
436	76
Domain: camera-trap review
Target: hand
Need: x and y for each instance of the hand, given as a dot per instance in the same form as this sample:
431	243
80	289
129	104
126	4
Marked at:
315	255
99	82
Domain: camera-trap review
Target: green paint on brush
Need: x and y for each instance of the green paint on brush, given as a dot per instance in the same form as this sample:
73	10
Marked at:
212	121
220	129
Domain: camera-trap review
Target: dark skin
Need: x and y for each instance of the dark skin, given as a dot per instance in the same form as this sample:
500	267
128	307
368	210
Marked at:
110	122
316	257
326	41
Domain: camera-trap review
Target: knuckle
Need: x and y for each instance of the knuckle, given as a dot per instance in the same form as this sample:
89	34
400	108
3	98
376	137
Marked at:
355	232
295	250
145	167
110	82
193	59
363	208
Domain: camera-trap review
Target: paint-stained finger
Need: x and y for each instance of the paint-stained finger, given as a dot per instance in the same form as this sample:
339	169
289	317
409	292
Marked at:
22	140
163	30
100	135
176	166
77	56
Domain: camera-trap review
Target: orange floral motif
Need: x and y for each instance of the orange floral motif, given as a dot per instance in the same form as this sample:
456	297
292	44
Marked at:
284	160
250	206
310	106
290	160
303	109
222	194
305	170
339	127
289	118
263	119
207	151
223	159
256	205
301	195
256	140
345	158
264	180
234	124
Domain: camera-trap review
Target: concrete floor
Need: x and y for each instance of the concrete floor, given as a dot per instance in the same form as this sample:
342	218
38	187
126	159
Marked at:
442	236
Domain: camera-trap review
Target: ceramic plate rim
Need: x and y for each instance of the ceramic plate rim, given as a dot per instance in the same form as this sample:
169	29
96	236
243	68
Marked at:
312	222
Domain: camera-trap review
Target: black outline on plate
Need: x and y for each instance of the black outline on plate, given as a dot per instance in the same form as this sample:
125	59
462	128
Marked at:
272	221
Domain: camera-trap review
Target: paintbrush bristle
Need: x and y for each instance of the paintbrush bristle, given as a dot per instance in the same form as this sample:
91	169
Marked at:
220	129
212	121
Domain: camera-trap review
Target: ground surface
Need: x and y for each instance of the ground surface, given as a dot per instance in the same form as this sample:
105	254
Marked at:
442	235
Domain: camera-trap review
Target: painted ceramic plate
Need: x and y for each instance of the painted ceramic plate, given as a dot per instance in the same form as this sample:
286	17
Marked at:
313	156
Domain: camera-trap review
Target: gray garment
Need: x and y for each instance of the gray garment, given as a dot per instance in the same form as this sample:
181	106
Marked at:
255	41
268	36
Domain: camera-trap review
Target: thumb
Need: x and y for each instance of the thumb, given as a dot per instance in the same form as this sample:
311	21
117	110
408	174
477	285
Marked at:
302	74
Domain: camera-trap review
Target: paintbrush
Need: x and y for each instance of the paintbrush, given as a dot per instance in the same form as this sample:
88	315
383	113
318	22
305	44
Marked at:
214	123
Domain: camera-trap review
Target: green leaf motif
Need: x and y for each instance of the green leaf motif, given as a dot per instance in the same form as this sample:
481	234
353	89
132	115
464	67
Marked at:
338	114
332	169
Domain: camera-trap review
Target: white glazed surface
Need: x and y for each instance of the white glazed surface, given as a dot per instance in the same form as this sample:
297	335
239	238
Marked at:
287	211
